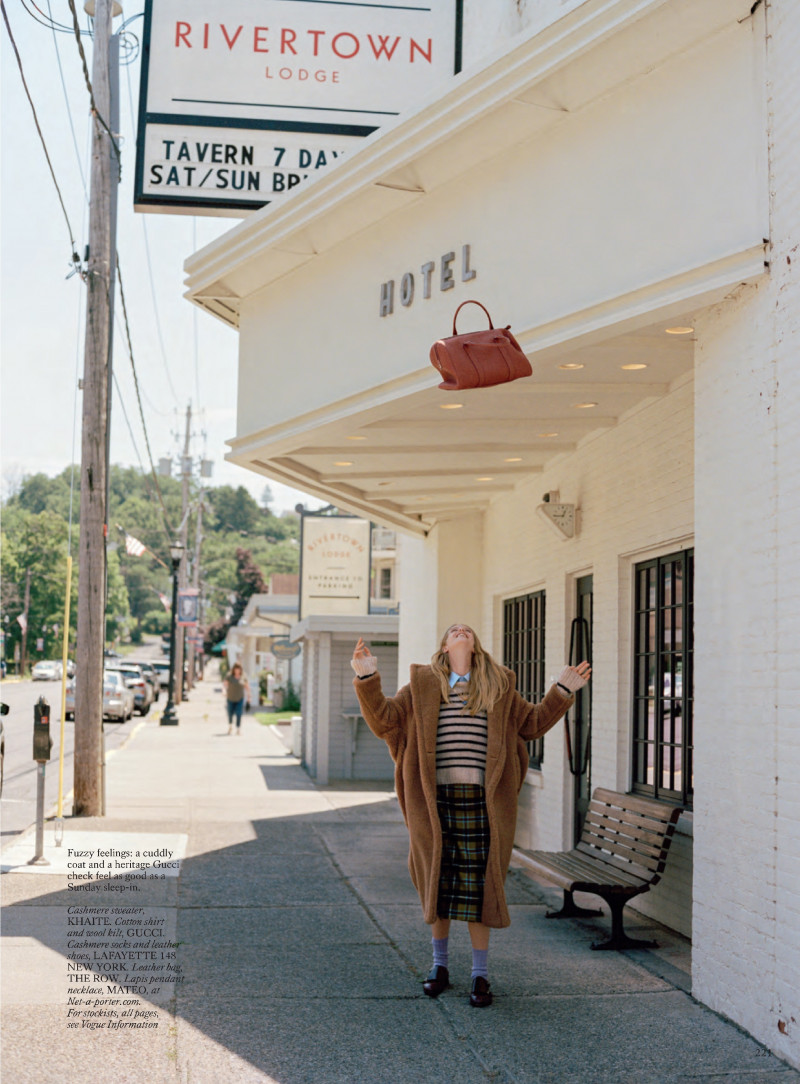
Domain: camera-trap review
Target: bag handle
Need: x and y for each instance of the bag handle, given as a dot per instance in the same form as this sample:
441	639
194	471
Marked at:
471	302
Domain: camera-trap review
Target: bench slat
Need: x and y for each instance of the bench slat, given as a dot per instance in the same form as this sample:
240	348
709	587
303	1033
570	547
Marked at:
596	869
572	868
594	847
602	824
628	816
616	832
650	808
624	845
610	865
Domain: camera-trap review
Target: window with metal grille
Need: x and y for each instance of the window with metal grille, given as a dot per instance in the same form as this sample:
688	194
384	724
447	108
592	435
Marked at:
523	652
662	677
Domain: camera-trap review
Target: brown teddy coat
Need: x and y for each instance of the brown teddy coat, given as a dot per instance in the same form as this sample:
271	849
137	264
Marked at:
408	723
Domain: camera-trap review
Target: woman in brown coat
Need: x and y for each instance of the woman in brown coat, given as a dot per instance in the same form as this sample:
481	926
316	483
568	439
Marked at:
457	735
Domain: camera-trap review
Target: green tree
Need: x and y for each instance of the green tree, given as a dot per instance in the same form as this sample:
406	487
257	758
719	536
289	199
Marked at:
36	541
248	582
38	493
234	509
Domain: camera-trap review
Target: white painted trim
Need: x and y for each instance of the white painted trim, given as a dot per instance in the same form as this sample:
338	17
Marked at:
694	288
352	624
472	99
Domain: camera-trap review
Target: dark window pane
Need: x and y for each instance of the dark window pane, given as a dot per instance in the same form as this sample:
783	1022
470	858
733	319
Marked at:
523	651
662	677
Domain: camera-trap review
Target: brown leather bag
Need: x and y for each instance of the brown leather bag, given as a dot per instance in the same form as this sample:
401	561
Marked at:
479	359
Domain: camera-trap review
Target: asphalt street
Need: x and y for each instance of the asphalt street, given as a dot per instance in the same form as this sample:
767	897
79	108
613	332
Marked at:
18	802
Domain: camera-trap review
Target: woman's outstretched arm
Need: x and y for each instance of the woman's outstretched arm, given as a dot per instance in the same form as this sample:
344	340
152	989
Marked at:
386	716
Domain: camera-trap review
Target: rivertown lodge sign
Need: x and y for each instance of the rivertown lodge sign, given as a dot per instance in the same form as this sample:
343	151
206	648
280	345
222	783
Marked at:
241	101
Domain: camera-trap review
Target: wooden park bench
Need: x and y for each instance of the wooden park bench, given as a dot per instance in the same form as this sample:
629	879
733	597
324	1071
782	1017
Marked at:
622	853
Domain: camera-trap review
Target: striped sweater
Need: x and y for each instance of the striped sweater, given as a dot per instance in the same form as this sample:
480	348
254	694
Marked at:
461	741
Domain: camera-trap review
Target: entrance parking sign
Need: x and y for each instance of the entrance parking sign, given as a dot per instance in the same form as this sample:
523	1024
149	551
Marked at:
241	101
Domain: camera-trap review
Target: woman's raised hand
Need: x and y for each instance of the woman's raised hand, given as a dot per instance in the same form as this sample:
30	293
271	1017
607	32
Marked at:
363	661
574	677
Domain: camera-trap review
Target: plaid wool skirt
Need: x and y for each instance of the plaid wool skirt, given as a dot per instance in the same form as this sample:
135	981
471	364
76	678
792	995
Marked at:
465	850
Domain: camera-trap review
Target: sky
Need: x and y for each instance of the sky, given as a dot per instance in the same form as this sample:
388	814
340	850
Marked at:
183	356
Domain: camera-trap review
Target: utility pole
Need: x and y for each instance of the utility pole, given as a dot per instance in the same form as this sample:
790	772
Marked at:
196	575
88	787
26	607
186	473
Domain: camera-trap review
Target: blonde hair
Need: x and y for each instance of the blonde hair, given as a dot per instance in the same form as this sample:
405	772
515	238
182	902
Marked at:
487	681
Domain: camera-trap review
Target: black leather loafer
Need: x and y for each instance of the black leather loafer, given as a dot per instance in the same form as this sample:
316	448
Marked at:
437	981
480	995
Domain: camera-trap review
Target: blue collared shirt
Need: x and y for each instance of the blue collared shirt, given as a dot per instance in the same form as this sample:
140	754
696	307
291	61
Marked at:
454	677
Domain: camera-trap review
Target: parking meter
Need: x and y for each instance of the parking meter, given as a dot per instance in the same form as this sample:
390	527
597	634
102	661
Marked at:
42	742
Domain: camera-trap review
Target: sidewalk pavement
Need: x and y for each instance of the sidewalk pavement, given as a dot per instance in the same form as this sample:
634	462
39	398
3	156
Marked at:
300	947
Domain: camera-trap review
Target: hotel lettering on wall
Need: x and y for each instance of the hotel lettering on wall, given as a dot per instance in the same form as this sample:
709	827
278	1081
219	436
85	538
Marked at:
432	274
242	100
335	557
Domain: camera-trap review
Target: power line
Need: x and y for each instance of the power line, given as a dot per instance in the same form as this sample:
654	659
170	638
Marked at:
145	478
43	21
66	101
168	528
75	258
95	111
75	407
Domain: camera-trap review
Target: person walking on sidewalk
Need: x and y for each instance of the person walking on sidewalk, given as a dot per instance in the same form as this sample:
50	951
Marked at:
236	692
457	735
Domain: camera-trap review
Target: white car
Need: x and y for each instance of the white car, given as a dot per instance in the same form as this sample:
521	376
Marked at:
46	671
118	699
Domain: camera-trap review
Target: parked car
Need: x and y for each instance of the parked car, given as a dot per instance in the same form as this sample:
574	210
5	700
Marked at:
118	699
136	681
162	669
151	675
47	670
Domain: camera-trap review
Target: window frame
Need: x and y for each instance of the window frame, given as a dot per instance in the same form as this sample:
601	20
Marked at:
524	653
657	614
385	582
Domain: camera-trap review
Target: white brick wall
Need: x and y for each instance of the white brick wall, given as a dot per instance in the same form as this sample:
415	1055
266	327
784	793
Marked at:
633	485
747	896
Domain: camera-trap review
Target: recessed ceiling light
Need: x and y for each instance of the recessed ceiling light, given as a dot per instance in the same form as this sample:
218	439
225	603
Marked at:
547	434
635	365
343	463
513	459
450	406
679	330
355	438
571	365
485	478
584	406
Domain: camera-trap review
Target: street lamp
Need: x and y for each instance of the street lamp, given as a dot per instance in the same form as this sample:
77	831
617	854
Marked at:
169	718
